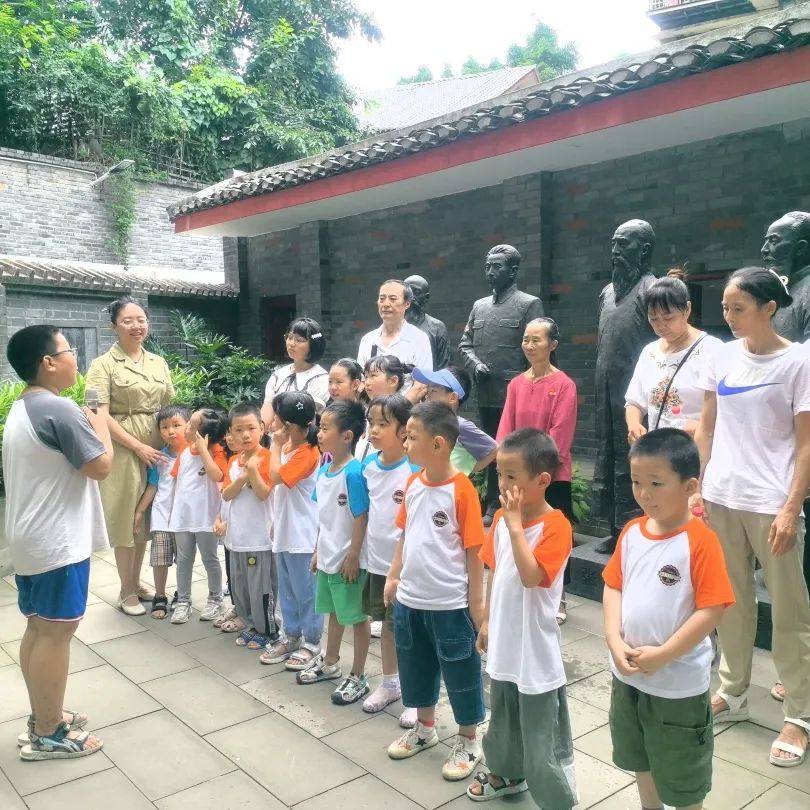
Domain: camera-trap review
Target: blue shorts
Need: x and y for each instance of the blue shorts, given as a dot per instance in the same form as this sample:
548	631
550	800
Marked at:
58	596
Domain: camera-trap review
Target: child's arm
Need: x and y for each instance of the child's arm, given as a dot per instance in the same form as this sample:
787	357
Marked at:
482	642
485	461
530	571
351	564
623	654
392	580
235	487
686	637
212	469
261	489
143	504
475	579
280	437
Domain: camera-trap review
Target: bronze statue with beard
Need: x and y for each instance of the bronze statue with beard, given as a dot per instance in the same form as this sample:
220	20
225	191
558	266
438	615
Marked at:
787	252
623	332
432	327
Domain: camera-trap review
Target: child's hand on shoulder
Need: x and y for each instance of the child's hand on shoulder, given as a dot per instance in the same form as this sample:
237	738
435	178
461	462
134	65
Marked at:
512	501
482	641
350	569
650	659
624	657
390	591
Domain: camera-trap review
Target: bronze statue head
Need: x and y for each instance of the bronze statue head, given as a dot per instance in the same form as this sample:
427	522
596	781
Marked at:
787	244
501	267
421	294
631	252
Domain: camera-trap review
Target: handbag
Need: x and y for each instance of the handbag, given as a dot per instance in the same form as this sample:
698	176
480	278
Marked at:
669	384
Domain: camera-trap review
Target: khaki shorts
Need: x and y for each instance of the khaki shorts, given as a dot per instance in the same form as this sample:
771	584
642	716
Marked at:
670	737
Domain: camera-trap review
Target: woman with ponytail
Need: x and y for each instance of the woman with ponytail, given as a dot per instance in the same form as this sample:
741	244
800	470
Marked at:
754	440
294	461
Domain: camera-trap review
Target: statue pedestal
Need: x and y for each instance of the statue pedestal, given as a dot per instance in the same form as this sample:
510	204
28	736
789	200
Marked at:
586	580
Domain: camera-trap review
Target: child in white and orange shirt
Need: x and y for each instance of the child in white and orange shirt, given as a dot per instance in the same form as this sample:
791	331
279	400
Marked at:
666	587
437	578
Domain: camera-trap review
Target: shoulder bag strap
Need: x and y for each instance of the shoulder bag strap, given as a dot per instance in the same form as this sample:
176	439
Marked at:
669	384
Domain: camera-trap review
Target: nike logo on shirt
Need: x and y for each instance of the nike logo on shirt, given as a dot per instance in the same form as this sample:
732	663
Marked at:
724	390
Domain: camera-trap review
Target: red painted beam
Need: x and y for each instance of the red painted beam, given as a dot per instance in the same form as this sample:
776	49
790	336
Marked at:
721	84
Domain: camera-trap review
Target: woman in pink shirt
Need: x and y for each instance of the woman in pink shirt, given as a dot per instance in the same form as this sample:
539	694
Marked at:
545	398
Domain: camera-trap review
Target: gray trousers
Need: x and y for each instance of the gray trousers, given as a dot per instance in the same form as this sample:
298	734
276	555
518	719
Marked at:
252	590
529	737
187	544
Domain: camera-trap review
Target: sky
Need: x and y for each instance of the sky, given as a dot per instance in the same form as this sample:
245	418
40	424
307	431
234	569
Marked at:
434	32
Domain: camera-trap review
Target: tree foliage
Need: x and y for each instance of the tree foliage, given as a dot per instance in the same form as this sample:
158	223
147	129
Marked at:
216	83
423	74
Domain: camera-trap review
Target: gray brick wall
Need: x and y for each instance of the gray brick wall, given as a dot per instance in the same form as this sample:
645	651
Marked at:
47	209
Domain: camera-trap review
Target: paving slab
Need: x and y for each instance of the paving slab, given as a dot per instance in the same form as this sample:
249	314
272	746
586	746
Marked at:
597	744
734	787
5	658
419	778
102	622
94	791
8	594
624	799
81	656
287	761
203	700
9	798
13	694
584	717
593	690
219	652
12	623
232	791
781	797
309	706
102	573
177	634
584	658
143	656
161	755
30	777
365	793
106	696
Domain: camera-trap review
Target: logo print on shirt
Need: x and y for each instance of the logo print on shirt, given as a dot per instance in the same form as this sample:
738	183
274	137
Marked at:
724	390
669	575
440	519
398	496
342	499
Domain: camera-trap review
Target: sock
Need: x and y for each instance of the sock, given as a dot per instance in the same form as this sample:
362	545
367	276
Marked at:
428	726
391	682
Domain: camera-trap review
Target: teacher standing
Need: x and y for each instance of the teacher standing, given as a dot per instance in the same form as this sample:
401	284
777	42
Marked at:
133	385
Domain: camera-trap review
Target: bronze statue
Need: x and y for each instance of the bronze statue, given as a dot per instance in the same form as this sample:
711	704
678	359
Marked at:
787	252
623	332
490	345
432	327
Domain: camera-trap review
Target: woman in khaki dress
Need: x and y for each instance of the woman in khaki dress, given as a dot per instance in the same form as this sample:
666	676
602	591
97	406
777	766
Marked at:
132	386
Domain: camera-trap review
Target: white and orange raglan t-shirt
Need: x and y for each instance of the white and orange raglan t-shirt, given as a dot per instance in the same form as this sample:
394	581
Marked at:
664	579
524	637
250	519
441	521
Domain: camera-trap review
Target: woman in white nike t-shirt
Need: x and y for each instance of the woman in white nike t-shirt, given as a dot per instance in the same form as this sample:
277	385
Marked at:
754	440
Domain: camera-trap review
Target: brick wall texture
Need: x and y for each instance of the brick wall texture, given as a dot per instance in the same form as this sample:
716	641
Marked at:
709	202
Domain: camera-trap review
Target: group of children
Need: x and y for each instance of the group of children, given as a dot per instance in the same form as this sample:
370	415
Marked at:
362	514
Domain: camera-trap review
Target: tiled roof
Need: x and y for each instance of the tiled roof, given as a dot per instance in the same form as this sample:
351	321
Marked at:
112	277
776	32
409	104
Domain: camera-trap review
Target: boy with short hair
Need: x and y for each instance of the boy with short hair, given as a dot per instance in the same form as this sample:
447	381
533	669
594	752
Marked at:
53	456
528	745
159	492
437	580
474	450
666	588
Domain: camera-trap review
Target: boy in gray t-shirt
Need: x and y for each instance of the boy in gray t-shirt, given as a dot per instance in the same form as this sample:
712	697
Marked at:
53	455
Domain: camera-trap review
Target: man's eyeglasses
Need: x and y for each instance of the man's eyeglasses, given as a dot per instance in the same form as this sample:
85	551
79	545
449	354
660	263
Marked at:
74	351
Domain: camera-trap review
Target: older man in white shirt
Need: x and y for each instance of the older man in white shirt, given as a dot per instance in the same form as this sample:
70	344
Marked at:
395	335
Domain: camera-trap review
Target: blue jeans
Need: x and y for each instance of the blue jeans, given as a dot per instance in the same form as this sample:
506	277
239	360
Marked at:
435	644
296	594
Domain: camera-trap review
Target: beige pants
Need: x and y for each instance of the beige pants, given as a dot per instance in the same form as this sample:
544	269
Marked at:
744	537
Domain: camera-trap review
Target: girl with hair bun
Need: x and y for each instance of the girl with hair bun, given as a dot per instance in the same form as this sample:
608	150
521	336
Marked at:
754	440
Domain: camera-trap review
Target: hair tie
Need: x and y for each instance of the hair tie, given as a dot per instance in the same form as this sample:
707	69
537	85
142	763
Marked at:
315	335
299	406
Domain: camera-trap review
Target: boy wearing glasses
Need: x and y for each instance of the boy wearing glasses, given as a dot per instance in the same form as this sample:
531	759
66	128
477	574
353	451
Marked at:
53	455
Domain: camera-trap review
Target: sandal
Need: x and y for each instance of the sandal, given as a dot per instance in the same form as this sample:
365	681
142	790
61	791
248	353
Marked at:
58	745
233	625
77	722
562	618
778	692
279	651
799	753
736	711
300	659
489	791
319	670
245	637
160	604
228	616
258	642
131	610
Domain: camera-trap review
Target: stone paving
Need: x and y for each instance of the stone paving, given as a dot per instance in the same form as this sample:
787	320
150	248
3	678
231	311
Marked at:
190	720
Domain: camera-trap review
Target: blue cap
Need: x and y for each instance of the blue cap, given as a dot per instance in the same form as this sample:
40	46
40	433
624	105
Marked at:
443	377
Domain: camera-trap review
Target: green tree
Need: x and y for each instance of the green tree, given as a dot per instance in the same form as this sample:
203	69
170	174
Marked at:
544	51
472	65
423	74
447	71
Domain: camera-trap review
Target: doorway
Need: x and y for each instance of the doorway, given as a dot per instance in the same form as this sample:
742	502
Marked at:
276	312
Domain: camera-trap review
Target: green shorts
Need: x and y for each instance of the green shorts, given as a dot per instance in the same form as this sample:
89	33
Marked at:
345	599
373	602
670	737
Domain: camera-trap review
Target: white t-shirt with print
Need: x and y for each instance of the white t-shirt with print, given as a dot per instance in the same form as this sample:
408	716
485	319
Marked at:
160	476
197	499
341	497
654	370
386	492
313	381
295	514
754	444
250	520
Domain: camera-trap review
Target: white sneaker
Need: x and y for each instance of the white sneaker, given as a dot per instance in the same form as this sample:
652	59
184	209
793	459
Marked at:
181	613
417	739
376	629
461	762
212	609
